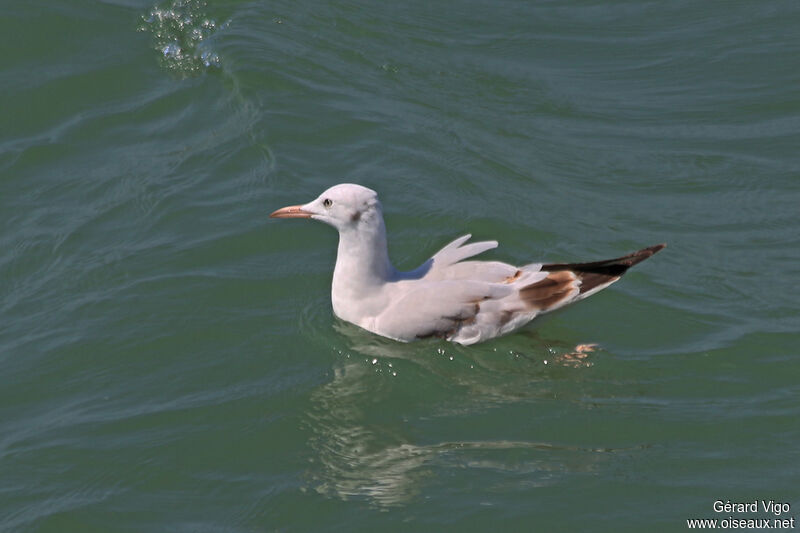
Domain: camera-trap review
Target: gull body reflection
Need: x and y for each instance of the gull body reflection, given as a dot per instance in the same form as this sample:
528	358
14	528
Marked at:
369	424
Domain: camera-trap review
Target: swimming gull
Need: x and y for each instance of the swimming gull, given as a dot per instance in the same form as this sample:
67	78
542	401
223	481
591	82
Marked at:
446	297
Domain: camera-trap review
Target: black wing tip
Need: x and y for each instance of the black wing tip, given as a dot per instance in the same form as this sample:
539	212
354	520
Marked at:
644	253
610	268
656	248
599	273
625	261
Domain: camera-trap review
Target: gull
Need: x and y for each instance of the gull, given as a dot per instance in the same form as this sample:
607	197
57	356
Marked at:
447	297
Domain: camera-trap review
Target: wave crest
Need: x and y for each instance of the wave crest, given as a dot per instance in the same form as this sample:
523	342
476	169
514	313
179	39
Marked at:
181	32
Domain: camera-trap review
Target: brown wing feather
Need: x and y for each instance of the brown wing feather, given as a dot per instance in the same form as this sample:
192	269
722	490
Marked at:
598	273
560	284
550	291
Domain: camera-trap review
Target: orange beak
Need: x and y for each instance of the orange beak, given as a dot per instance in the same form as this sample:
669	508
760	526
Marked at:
292	211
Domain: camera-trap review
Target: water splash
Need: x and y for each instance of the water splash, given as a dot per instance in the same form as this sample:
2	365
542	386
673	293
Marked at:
182	33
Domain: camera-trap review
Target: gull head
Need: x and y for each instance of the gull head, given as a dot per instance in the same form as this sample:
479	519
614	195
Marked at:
346	207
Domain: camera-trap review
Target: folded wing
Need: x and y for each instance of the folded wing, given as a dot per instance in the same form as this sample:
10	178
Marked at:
421	309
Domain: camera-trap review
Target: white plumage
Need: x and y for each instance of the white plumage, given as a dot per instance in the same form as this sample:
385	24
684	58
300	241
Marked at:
448	296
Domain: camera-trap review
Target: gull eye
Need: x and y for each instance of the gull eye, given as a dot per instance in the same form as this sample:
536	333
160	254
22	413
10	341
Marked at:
327	202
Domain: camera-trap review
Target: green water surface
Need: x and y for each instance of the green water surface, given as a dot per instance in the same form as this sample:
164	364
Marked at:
169	361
